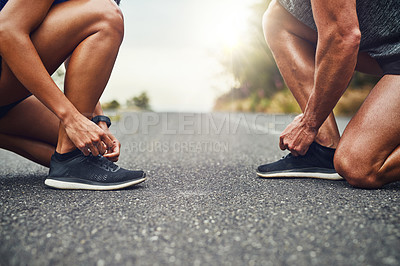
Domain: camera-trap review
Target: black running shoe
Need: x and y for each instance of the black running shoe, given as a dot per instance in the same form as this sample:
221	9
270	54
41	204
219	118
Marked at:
90	172
316	163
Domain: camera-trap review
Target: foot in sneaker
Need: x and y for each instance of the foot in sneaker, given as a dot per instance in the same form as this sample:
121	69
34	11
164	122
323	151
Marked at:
316	163
77	171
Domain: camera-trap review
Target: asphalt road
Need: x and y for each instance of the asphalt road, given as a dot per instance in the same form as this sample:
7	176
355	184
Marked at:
201	205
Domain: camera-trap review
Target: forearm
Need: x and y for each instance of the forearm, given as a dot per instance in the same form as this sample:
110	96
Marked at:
18	20
336	58
21	56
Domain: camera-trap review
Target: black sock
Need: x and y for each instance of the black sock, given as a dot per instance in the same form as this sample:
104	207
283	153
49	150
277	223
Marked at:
66	156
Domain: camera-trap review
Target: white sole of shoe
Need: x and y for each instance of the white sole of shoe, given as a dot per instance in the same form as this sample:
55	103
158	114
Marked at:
327	176
71	185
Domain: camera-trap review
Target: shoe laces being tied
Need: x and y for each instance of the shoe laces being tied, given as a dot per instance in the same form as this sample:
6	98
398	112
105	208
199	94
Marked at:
103	163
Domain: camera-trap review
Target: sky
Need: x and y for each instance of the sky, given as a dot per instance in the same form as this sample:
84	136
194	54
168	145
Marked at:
171	50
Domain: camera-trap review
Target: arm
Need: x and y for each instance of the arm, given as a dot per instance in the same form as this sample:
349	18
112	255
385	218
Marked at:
17	20
336	56
338	44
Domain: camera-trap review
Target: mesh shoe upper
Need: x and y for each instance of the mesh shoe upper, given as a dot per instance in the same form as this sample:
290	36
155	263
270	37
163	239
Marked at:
91	168
317	156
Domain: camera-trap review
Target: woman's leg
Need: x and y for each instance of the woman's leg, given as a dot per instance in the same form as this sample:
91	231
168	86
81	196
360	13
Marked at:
90	66
30	130
36	151
368	154
89	31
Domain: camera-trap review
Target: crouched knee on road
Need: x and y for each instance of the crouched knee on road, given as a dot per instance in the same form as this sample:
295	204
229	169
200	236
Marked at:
355	172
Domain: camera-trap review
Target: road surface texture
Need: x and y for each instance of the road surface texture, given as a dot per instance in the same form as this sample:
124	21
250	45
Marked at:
201	205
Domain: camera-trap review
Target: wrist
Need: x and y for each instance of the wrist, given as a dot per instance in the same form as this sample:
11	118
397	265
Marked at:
310	121
311	115
102	119
67	114
103	125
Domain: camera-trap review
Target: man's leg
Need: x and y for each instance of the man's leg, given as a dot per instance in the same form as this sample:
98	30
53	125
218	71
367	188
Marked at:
293	46
368	154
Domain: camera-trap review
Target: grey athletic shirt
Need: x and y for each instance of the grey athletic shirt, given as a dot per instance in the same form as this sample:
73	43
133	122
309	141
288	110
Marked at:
379	24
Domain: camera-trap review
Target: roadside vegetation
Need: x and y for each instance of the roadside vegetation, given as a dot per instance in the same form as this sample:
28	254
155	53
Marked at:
136	103
259	85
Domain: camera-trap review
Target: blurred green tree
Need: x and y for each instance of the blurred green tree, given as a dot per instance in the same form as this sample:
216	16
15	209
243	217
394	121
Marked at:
114	104
142	102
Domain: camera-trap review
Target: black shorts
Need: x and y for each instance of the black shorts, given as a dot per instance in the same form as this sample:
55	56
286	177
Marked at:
390	66
6	108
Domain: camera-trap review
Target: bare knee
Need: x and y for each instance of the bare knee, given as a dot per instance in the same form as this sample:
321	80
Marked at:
357	173
272	24
279	25
109	19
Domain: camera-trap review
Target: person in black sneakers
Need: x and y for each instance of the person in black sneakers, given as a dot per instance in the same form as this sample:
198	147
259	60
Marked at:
65	131
317	46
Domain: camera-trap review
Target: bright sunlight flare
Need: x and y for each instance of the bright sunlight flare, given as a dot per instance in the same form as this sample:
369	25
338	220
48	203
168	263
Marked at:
230	27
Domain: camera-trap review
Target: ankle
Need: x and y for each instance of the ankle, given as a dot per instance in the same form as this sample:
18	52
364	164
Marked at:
327	141
65	147
66	156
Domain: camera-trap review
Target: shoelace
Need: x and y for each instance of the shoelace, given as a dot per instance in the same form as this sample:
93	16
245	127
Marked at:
290	155
103	162
287	156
